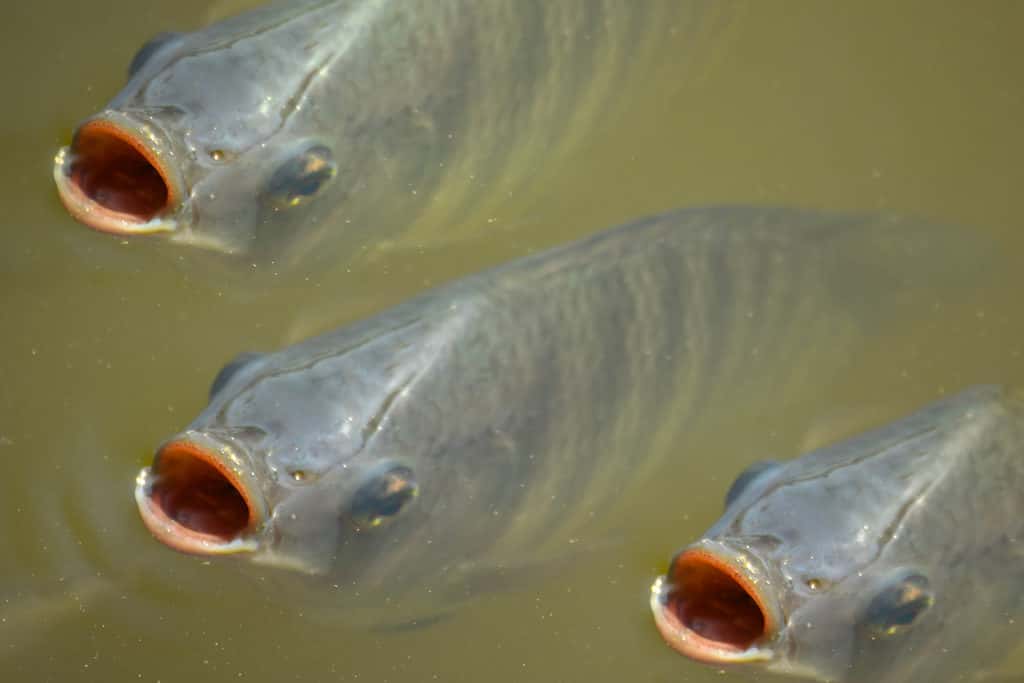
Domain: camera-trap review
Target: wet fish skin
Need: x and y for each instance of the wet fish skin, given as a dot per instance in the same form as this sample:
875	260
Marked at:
317	129
890	557
489	418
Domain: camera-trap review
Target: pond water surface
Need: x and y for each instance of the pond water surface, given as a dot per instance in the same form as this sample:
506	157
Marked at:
109	347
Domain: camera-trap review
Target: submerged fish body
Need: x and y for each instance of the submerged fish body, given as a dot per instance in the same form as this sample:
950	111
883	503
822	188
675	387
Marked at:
316	127
478	423
27	614
894	556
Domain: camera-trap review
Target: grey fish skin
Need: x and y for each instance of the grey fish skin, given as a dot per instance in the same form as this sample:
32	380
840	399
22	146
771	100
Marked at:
893	556
489	418
313	128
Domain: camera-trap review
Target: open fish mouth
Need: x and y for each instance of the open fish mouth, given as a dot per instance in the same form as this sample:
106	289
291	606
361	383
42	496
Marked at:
713	606
199	497
117	176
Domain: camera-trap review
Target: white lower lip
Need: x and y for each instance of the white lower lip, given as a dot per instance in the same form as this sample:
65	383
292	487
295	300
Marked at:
680	634
162	527
81	207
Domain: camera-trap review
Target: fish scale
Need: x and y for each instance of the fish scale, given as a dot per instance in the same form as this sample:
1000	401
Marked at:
849	562
522	402
309	132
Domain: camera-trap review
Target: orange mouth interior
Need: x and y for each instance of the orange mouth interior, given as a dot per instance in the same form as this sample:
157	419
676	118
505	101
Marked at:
117	175
716	608
198	496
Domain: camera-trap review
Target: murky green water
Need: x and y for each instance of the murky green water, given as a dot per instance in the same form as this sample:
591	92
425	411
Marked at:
109	347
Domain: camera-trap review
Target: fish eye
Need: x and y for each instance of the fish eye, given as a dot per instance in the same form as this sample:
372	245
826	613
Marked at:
150	48
301	177
747	477
231	369
897	606
382	497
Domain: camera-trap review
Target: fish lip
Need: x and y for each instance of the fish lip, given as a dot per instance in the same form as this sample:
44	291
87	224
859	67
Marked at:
198	461
85	172
729	571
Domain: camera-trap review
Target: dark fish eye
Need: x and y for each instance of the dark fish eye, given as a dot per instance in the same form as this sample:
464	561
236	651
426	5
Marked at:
231	369
897	606
301	177
747	477
382	497
150	48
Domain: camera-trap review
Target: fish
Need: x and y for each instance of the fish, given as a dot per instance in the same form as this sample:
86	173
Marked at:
468	431
892	556
28	614
311	131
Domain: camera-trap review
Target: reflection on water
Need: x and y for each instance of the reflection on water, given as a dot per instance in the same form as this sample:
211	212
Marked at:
108	347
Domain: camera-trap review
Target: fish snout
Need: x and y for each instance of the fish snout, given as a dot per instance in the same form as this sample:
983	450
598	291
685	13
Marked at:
716	605
200	496
120	175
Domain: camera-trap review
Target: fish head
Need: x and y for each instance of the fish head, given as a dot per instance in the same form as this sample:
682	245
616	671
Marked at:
830	566
198	149
291	467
